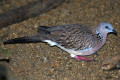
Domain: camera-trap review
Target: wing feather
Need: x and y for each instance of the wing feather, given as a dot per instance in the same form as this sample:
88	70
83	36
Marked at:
76	36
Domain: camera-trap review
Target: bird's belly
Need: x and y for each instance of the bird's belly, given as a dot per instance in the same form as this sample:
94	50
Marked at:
88	51
80	52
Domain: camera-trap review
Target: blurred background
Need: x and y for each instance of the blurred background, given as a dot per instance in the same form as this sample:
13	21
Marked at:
39	61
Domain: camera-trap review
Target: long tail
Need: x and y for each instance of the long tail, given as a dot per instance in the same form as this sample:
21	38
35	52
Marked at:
39	37
22	40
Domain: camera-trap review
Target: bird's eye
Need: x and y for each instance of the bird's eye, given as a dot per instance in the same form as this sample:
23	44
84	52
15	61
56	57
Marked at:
106	27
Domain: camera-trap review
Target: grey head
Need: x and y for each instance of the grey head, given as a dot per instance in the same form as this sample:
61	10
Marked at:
105	28
102	30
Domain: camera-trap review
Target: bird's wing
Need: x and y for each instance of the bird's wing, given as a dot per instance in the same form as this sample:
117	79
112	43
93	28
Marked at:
76	36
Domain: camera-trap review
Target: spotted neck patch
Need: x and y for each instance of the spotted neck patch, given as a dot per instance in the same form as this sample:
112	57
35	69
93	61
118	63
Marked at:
99	35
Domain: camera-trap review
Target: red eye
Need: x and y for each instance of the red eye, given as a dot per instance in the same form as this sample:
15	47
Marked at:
106	27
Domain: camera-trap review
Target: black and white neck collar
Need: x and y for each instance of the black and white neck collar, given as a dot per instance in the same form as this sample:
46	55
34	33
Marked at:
99	35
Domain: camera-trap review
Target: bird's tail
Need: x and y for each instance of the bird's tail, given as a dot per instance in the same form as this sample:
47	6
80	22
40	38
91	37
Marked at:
31	39
39	37
21	40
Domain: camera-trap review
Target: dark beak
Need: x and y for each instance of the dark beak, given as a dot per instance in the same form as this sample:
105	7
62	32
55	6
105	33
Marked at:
114	32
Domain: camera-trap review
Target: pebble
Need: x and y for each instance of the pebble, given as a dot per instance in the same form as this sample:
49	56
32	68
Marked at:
111	63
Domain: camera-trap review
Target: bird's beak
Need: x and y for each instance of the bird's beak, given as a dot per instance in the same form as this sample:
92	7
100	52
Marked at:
114	32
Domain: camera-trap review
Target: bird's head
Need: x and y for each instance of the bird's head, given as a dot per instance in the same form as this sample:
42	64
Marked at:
106	28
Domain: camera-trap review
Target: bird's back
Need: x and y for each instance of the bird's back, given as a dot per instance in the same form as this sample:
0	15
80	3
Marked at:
76	36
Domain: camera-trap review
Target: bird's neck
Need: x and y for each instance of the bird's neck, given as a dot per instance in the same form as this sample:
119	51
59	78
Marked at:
101	39
100	36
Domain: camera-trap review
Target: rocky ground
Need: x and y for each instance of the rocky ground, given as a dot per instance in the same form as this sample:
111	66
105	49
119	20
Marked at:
39	61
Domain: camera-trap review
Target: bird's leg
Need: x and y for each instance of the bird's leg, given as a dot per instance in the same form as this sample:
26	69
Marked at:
80	58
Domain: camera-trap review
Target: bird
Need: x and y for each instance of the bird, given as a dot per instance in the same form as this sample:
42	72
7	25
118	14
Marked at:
78	40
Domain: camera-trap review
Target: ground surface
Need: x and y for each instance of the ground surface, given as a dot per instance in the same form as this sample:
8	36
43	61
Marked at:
39	61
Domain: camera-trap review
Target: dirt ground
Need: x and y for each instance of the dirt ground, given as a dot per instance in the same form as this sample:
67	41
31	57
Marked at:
39	61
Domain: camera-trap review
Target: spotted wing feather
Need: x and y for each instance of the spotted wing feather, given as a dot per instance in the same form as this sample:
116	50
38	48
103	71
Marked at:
76	36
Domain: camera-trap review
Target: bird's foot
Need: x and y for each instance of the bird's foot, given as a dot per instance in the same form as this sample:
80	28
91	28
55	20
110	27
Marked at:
80	58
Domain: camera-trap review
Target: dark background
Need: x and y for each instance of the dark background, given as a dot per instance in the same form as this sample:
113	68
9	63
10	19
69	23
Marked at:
39	61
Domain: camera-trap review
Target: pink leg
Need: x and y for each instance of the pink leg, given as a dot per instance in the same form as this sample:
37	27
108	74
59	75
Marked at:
80	58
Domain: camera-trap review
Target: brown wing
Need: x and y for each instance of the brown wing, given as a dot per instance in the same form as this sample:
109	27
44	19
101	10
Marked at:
76	36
